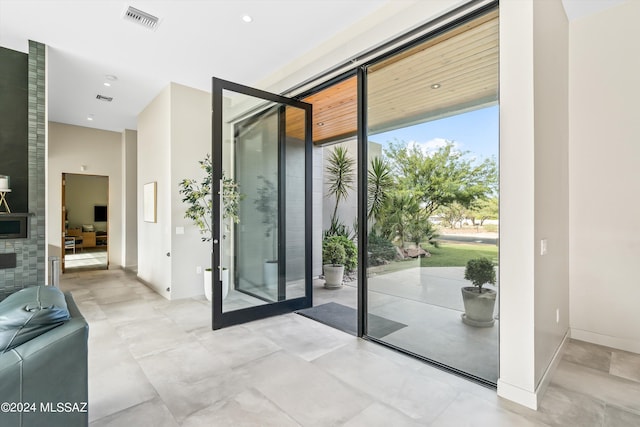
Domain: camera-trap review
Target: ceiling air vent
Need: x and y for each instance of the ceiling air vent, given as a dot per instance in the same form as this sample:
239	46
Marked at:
143	18
104	98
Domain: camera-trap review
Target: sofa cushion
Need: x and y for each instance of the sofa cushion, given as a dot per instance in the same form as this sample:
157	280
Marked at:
30	312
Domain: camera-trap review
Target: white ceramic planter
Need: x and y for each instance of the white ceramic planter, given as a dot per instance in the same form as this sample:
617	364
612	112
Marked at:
208	279
333	275
478	307
271	274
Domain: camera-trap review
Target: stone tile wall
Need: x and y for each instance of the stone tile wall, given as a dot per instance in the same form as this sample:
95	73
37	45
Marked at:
31	263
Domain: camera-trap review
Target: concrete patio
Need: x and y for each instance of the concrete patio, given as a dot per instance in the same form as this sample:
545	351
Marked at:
429	302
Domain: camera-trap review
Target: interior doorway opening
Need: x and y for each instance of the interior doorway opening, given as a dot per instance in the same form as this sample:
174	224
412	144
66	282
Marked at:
85	217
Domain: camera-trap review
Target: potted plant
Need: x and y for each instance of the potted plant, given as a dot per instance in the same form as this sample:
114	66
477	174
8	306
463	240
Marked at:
197	195
333	259
267	204
478	302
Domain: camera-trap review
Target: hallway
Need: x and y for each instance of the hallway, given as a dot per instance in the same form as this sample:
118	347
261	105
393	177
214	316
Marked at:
157	362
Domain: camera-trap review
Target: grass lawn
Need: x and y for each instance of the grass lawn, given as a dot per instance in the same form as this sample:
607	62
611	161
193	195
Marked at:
457	254
447	255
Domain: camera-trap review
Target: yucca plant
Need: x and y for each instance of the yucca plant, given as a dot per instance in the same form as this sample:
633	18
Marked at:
378	185
340	177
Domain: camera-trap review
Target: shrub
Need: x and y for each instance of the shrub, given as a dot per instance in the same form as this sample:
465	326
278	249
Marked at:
333	253
380	249
480	271
350	249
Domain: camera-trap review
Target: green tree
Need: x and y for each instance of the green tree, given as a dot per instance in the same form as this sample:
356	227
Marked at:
420	229
443	176
484	209
197	195
453	214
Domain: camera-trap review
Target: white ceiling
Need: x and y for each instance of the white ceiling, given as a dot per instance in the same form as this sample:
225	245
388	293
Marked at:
194	41
578	8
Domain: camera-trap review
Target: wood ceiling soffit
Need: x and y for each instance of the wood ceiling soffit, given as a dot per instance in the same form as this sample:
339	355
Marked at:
463	60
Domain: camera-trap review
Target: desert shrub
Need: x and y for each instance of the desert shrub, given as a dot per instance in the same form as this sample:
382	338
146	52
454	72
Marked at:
380	249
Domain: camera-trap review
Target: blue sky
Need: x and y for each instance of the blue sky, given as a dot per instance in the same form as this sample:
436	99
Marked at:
475	131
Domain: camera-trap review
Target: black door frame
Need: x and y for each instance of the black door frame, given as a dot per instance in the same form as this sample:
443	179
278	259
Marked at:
362	169
222	319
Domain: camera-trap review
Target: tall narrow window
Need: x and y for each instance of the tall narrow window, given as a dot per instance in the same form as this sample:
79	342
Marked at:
432	126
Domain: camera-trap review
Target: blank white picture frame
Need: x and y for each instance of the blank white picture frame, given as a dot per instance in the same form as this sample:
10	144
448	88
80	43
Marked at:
149	202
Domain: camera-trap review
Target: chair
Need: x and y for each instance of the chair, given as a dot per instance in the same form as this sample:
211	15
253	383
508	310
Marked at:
77	235
70	243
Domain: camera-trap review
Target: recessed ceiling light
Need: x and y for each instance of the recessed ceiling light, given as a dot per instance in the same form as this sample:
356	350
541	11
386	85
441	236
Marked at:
247	18
111	77
90	117
107	84
436	86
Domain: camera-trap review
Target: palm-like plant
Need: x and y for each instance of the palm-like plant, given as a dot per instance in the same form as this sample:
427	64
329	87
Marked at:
378	185
340	176
395	216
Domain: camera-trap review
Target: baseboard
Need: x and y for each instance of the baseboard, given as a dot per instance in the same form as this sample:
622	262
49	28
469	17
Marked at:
153	288
606	340
517	395
532	399
130	268
551	368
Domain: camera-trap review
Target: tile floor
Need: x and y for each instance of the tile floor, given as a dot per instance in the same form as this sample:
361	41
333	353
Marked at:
154	362
86	259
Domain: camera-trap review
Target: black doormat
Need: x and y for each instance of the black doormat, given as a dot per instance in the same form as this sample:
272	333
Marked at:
346	319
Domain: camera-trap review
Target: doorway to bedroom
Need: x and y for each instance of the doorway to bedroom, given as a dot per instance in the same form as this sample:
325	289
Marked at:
85	237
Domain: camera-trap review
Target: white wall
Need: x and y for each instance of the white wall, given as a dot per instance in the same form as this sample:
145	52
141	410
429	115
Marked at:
533	195
604	175
100	151
82	193
190	142
130	202
551	111
154	165
174	133
517	202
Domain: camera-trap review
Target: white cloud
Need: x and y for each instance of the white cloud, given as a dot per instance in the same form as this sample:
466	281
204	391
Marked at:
428	147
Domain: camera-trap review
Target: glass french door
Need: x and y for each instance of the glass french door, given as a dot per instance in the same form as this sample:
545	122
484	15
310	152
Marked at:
262	204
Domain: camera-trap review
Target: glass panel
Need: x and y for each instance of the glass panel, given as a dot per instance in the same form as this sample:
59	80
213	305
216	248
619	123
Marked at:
256	149
263	159
294	183
432	187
